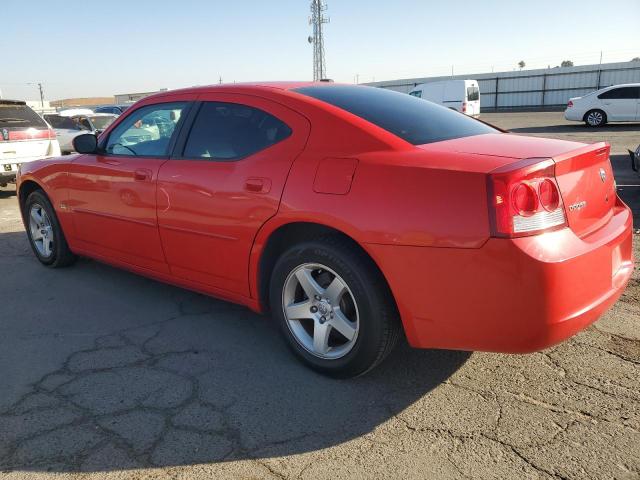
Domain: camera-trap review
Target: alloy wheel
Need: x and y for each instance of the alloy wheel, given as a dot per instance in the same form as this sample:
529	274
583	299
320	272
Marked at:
594	119
41	230
320	311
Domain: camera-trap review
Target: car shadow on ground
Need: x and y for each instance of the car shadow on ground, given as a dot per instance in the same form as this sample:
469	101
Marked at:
176	378
579	127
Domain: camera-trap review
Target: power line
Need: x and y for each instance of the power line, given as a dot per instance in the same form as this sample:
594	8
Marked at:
317	19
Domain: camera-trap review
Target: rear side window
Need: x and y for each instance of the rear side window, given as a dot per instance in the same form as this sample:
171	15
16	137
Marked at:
21	116
230	131
414	120
416	93
58	121
473	94
621	93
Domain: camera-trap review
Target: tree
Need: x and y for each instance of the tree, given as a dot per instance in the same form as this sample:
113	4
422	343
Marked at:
635	59
566	63
521	64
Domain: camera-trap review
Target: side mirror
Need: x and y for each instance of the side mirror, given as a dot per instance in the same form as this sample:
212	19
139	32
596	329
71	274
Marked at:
635	159
85	143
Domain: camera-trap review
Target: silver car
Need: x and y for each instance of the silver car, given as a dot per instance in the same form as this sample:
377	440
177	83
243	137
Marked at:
67	127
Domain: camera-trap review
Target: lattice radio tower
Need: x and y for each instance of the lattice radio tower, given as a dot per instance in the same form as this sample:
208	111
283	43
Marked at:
317	19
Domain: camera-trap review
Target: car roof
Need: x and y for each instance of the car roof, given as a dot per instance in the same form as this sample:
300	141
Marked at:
264	86
622	85
6	101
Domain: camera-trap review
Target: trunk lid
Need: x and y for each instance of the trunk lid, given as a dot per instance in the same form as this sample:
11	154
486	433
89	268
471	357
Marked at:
587	186
583	172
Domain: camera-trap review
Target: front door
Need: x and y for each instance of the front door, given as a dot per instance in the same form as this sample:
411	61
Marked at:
113	193
224	182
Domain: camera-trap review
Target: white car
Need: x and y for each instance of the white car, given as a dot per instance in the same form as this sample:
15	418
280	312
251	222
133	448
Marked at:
24	136
67	127
460	95
619	103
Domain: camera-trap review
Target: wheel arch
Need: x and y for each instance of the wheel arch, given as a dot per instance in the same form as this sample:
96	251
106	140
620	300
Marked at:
275	240
26	188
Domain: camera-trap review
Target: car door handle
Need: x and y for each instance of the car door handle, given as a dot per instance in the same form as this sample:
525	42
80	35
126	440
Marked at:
142	175
257	185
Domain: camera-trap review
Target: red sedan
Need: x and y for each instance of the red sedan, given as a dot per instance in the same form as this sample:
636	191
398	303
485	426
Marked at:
351	213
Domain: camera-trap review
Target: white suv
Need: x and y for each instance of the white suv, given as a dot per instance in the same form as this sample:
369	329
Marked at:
24	136
619	103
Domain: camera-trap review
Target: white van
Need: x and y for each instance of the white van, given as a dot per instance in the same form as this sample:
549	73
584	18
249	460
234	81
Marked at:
460	95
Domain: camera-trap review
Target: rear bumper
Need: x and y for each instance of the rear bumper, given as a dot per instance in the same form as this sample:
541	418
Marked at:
573	115
512	296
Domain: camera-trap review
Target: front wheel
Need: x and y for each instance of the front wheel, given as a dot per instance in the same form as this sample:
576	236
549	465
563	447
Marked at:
334	307
44	232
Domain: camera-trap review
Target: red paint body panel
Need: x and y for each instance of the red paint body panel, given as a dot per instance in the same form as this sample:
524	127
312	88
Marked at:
421	212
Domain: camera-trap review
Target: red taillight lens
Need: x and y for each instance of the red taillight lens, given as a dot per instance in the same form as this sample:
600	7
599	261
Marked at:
549	195
570	104
524	199
464	107
31	134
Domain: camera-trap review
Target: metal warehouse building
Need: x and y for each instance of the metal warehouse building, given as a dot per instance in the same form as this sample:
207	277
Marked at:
550	87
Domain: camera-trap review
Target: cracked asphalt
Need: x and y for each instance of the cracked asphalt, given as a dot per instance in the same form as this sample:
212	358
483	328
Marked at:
105	374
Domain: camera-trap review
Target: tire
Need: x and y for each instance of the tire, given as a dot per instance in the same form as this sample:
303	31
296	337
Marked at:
51	248
595	118
365	302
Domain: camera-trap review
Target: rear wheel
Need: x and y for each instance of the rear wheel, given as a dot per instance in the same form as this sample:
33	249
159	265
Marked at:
44	232
334	308
595	118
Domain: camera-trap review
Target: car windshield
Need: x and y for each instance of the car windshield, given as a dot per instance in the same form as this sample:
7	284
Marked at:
415	120
19	115
102	122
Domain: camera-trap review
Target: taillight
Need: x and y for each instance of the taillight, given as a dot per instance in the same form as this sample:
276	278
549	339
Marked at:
524	199
570	104
464	107
32	134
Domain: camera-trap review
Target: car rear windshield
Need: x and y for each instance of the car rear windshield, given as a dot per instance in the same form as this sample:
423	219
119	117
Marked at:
413	119
19	115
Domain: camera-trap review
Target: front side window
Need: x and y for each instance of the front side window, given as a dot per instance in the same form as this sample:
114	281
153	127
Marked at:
230	131
147	131
473	94
416	93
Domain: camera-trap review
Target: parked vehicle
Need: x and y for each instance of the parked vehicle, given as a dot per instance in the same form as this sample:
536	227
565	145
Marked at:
460	95
114	109
619	103
24	137
635	159
69	127
349	213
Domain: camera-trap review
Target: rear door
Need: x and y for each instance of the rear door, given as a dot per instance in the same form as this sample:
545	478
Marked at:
223	183
621	104
473	98
112	194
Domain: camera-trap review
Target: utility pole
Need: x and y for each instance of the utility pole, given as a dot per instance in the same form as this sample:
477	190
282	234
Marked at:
41	96
317	19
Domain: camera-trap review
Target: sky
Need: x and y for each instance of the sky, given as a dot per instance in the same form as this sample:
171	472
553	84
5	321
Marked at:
81	49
